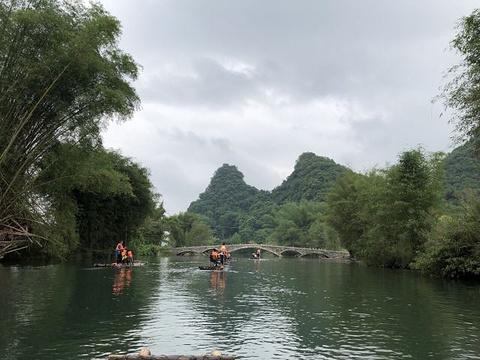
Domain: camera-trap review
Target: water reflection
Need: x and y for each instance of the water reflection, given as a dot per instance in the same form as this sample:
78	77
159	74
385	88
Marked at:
255	309
71	311
218	281
121	281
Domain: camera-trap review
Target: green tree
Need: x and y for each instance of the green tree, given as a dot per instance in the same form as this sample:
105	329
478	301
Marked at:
302	224
97	197
152	233
454	247
189	229
344	213
105	218
385	217
416	188
62	76
462	93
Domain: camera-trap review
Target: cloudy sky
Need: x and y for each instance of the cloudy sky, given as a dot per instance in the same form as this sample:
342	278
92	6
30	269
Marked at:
255	83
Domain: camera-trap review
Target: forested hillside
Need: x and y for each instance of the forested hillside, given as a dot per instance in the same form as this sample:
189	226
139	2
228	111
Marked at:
311	179
226	198
295	212
462	171
291	214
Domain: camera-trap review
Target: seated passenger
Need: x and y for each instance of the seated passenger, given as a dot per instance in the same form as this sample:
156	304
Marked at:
129	257
215	258
223	253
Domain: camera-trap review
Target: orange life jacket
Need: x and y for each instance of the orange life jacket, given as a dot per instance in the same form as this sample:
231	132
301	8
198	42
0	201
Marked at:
129	253
214	255
124	252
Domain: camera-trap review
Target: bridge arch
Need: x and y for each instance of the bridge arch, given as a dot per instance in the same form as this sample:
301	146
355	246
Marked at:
291	251
318	255
189	252
253	247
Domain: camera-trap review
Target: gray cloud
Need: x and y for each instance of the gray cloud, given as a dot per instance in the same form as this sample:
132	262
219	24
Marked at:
204	82
256	83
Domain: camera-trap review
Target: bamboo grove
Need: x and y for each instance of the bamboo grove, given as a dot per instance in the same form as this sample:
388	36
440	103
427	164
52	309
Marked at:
62	77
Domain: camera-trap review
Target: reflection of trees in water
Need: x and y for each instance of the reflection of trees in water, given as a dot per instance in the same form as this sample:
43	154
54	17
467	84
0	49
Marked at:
337	307
369	310
74	311
27	293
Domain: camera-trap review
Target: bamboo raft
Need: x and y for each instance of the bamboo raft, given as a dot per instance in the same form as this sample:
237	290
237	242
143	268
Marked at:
170	357
211	268
115	265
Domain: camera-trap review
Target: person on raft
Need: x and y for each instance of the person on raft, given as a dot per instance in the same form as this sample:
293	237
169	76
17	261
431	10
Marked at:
118	251
124	255
215	258
256	254
224	254
129	257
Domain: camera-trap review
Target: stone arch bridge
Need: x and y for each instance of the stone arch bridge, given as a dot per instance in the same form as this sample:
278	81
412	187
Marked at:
274	249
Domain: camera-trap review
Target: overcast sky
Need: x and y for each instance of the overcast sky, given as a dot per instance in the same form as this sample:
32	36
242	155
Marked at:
255	83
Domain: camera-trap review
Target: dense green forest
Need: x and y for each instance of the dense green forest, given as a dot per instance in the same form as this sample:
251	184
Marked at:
291	214
62	77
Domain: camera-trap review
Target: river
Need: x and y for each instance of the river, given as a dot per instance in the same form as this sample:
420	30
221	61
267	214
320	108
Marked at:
256	309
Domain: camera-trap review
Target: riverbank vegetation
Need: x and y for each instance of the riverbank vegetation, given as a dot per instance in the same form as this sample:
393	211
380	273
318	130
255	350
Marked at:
63	78
385	217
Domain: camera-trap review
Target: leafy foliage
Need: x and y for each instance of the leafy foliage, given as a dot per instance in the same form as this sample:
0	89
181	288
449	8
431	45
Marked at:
345	209
385	217
61	77
303	224
462	93
454	249
188	229
462	172
97	197
152	234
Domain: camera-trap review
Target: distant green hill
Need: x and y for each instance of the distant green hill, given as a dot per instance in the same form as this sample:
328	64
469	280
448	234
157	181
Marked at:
311	179
462	172
232	206
224	200
294	212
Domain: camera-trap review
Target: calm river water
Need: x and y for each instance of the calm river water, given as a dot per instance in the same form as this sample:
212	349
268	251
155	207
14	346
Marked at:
267	309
